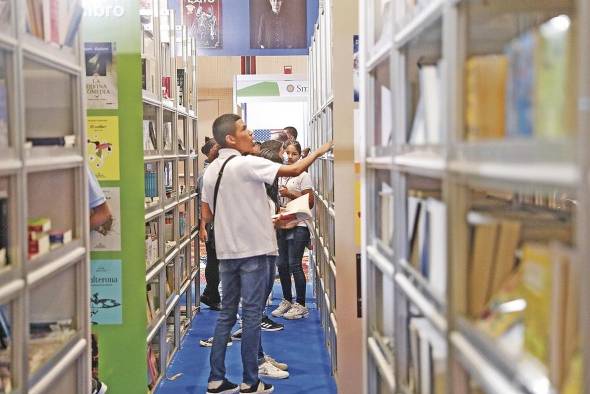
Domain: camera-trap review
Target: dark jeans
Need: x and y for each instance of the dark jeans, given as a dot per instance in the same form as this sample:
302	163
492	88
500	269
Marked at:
292	245
212	274
271	280
247	279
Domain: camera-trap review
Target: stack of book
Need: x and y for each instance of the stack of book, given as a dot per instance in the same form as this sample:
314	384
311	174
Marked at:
529	90
54	21
66	141
42	238
153	361
46	339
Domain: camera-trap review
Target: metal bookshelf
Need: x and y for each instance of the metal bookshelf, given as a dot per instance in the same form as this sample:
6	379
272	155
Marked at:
173	276
535	173
333	260
30	67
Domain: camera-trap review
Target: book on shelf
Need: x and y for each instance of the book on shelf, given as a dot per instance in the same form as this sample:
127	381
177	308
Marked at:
58	238
428	354
555	70
387	212
167	87
150	141
168	136
4	229
67	141
39	225
169	227
3	114
5	12
427	126
486	97
180	84
54	21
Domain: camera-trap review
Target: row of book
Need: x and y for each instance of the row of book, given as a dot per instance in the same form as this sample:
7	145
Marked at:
150	139
54	21
43	239
529	90
151	183
153	301
428	357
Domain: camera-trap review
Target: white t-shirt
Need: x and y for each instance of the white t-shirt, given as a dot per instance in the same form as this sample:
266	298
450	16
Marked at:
243	225
298	183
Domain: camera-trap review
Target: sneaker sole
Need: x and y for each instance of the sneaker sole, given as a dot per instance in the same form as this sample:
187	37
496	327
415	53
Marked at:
278	314
271	377
269	391
211	345
297	317
272	329
231	391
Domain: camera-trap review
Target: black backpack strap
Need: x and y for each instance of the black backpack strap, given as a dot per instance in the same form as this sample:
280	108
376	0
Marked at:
218	182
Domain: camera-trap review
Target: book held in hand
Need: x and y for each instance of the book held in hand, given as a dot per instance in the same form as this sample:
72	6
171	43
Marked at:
296	211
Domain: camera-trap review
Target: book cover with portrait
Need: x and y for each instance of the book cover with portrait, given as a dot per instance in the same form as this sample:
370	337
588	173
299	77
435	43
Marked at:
278	24
203	21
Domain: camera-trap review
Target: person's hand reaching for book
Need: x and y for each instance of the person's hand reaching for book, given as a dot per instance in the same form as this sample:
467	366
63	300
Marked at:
325	148
203	234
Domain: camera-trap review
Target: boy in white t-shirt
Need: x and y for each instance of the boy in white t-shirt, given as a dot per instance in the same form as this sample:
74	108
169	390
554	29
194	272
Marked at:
292	242
245	240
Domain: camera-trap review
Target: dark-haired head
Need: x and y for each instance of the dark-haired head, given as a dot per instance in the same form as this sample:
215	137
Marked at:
231	132
291	132
293	149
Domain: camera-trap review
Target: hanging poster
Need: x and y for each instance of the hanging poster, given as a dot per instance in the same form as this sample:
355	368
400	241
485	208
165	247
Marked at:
105	292
108	236
203	20
355	68
103	147
101	75
278	24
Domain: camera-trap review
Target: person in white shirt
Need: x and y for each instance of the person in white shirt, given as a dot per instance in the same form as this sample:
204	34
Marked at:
245	240
292	242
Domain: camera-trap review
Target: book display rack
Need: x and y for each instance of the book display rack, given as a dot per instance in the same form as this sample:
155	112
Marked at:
333	260
44	345
162	261
475	188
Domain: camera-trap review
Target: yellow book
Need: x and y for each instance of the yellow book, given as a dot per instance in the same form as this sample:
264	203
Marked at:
537	286
481	266
486	97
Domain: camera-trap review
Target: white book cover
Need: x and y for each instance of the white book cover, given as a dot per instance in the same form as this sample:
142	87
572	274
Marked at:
418	133
437	211
430	94
108	236
386	118
101	75
413	203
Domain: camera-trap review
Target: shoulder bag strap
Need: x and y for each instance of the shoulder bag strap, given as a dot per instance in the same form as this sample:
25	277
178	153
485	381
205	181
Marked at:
218	182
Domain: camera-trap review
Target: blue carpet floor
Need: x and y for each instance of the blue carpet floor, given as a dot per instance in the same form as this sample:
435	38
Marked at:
300	344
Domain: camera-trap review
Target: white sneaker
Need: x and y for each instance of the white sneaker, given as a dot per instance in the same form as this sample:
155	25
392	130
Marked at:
279	365
268	370
297	311
283	307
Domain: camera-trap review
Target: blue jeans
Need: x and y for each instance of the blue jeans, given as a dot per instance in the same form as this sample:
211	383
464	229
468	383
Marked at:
292	245
271	280
246	278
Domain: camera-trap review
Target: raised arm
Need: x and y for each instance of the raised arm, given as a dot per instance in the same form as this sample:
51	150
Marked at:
303	164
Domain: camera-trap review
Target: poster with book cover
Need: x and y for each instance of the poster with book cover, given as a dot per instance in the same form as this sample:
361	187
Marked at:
101	75
105	292
107	238
103	147
203	19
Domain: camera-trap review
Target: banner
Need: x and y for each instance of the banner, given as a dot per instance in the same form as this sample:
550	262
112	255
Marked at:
105	292
103	147
101	75
203	20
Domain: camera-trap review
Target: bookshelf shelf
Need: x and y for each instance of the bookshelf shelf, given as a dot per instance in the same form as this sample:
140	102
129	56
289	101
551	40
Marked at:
454	157
421	21
385	368
382	262
29	69
379	54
